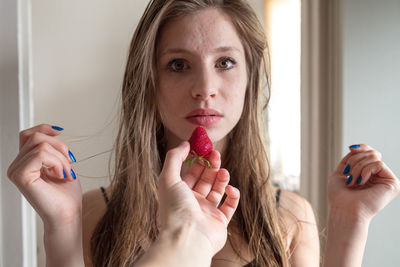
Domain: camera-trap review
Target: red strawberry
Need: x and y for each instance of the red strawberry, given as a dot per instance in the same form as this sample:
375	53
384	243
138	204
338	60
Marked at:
200	146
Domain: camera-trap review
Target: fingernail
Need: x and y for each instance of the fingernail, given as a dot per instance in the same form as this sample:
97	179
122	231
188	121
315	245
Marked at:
73	174
347	169
359	180
71	156
349	179
57	128
65	175
354	146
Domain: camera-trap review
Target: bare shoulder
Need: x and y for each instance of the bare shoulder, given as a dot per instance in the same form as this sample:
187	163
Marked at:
292	203
93	209
300	226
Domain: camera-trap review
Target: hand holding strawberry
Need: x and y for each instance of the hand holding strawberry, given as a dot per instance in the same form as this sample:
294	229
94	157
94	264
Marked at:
200	147
195	197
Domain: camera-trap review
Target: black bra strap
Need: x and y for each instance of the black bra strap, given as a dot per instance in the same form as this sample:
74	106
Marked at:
278	194
104	194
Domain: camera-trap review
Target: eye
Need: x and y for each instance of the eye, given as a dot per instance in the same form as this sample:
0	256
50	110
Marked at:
225	63
177	65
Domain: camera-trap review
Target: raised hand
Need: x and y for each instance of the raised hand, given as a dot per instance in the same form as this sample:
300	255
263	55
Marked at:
38	171
194	198
362	184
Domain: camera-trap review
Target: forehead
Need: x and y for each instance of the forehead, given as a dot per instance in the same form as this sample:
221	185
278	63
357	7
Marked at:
201	32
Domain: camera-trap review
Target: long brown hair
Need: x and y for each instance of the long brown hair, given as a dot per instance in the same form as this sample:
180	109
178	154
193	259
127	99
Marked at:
129	224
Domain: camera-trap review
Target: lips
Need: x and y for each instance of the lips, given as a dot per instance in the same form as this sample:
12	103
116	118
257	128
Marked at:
204	117
204	120
203	112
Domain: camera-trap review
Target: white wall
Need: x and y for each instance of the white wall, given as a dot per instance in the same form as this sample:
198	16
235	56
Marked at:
371	96
79	52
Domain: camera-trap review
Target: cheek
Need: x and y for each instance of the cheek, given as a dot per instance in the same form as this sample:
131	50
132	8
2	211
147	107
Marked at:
166	90
238	89
238	96
168	95
164	101
174	86
239	100
234	102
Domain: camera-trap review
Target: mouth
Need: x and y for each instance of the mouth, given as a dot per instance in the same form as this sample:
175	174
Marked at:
204	120
194	116
203	112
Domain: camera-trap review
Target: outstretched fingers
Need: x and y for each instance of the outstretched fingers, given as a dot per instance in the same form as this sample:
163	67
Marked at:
206	181
193	174
231	202
218	189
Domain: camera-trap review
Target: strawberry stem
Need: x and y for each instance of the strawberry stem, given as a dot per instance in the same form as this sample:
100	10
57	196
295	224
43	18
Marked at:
189	160
208	164
193	158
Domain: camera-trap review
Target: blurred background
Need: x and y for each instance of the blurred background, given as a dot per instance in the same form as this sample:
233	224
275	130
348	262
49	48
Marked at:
62	62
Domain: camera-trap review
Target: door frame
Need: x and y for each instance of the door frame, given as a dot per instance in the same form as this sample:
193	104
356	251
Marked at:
321	101
17	217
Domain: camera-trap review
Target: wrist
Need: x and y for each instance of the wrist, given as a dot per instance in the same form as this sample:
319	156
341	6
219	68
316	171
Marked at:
178	247
63	244
348	230
346	236
349	219
63	221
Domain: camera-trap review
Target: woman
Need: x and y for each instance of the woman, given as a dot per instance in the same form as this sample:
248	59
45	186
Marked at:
197	63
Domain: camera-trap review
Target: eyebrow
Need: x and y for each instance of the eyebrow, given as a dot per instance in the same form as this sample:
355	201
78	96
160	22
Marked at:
182	50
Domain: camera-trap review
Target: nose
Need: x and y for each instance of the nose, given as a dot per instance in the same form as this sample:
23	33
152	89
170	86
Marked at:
205	86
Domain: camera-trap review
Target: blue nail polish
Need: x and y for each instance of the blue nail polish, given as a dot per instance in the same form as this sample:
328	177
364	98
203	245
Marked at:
349	179
71	156
65	175
359	180
347	169
57	128
354	146
73	174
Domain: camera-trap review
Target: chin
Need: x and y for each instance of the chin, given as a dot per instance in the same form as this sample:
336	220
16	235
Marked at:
216	135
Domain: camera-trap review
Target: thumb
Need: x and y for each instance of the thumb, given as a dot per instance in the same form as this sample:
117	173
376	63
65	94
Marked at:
170	173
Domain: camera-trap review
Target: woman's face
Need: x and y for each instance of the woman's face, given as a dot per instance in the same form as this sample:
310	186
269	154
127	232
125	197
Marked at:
201	76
